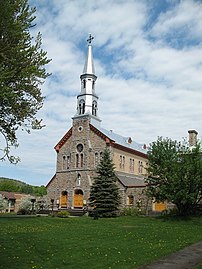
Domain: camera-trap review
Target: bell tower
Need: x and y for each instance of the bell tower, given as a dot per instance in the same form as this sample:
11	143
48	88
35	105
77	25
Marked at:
87	100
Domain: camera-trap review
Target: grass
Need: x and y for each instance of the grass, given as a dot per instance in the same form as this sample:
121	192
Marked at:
125	242
199	266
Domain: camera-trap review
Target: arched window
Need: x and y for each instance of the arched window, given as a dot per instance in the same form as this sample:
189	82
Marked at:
140	167
96	159
79	156
94	108
64	163
77	160
81	159
84	83
132	165
81	107
68	161
78	180
122	162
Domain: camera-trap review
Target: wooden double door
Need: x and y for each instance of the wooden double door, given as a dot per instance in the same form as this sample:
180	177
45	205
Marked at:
78	199
64	199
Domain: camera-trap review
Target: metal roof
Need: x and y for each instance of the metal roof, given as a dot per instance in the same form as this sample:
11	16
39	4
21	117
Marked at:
124	141
129	180
89	65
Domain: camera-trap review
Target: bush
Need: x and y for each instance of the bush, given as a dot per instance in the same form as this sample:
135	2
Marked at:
23	211
62	214
131	211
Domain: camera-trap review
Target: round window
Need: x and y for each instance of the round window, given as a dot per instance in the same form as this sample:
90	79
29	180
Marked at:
79	147
80	128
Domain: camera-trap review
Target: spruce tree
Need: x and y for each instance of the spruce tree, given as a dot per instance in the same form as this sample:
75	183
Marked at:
104	191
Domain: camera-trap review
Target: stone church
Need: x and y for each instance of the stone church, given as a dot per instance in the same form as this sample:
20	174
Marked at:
80	150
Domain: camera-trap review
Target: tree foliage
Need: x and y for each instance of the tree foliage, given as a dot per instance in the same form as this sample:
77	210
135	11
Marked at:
104	192
22	72
175	174
21	187
3	203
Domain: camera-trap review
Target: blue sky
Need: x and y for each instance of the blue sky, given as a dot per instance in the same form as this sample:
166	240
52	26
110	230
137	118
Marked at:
148	60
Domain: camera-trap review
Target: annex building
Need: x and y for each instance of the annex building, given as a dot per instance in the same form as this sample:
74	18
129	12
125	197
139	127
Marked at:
80	150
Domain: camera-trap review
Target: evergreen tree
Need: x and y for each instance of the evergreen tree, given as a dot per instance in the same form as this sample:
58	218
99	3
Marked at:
22	72
104	192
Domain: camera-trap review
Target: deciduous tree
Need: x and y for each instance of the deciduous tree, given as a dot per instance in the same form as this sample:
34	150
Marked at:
22	72
175	174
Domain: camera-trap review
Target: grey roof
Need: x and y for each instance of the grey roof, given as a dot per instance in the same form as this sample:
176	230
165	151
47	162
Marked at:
8	195
121	140
129	180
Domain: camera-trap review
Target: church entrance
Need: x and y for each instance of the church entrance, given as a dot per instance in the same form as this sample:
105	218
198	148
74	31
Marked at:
78	199
63	199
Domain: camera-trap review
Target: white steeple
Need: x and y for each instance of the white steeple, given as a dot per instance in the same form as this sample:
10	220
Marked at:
87	100
89	65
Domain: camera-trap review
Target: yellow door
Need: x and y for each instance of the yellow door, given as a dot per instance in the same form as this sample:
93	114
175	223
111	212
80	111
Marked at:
63	200
78	200
161	206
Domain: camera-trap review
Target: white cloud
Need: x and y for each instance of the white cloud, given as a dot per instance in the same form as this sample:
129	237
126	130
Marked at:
148	87
184	17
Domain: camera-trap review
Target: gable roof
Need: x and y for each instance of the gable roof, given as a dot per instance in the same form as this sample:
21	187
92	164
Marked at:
51	180
63	140
8	195
131	181
120	142
114	139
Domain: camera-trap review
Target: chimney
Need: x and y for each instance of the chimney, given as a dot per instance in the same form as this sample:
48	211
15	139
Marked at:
130	140
192	137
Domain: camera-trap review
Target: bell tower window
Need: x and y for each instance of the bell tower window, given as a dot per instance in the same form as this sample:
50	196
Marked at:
94	108
81	107
84	83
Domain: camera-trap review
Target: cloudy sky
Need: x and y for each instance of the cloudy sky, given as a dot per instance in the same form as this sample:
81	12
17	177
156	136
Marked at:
148	60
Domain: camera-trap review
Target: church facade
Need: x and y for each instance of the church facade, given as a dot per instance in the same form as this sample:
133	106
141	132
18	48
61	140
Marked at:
80	150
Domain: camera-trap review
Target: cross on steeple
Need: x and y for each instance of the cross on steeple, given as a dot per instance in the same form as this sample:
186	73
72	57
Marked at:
90	39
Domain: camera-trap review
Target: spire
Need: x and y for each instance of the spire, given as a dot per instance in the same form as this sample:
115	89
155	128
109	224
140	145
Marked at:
87	100
89	65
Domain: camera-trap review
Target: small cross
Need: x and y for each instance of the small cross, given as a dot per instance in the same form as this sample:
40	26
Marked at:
89	40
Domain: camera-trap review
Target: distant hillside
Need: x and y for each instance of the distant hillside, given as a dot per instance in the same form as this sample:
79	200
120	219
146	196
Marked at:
13	185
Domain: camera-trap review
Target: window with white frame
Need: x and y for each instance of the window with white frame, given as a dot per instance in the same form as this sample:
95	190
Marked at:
131	165
122	162
140	167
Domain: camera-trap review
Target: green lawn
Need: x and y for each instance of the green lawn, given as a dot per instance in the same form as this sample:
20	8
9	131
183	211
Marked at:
84	243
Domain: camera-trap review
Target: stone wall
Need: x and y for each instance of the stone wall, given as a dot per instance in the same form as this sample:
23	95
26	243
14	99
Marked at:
81	178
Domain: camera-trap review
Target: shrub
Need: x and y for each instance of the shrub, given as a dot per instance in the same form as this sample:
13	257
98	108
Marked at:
62	214
23	211
131	211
